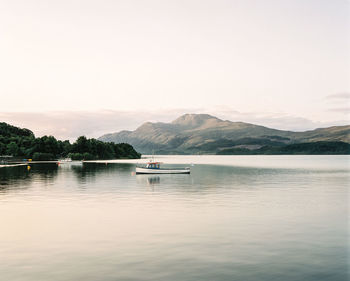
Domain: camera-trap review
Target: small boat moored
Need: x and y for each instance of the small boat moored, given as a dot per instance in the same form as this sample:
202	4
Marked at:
154	168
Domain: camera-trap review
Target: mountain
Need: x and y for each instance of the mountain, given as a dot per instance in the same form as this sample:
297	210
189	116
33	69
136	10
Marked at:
203	133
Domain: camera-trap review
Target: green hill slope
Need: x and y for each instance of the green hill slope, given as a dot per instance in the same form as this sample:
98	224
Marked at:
21	143
202	133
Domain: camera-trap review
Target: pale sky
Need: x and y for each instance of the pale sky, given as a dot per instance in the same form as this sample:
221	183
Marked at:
243	60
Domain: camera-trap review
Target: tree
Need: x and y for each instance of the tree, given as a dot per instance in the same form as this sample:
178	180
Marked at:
22	142
12	149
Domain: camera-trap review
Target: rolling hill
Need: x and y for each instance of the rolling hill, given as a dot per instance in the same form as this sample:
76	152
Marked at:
206	134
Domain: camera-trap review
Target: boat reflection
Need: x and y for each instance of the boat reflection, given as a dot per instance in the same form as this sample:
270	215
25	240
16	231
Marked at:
148	180
153	180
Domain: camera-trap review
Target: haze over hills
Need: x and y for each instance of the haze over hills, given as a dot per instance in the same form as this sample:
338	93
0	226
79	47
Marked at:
203	133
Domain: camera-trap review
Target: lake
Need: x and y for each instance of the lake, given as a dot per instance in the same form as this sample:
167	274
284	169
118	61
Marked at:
233	218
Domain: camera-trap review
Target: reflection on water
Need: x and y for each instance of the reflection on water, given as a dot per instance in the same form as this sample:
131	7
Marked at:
150	180
22	176
98	221
153	180
89	170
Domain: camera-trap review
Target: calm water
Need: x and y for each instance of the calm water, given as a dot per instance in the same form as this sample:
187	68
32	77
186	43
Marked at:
234	218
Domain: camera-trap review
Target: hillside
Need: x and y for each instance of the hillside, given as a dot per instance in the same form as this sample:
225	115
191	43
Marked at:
202	133
7	130
18	143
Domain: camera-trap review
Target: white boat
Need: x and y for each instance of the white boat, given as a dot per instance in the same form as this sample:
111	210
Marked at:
154	168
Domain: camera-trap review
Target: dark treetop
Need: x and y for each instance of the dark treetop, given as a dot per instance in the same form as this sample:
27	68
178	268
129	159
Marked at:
22	143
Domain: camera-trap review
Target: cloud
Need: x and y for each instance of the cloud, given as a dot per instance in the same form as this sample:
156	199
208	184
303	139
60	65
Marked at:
339	103
71	124
345	110
339	96
275	120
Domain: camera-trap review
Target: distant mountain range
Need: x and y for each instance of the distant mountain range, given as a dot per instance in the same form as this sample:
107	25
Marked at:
206	134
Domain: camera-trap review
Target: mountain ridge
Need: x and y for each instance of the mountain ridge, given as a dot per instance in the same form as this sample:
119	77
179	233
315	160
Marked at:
204	133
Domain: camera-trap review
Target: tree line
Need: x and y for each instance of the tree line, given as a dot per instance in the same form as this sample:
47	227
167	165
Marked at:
309	148
22	143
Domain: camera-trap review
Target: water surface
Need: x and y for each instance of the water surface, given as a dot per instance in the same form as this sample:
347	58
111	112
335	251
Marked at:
233	218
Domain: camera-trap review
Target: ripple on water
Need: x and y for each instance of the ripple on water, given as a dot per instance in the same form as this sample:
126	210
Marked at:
231	222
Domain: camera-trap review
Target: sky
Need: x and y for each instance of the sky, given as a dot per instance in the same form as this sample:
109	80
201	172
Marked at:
73	67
